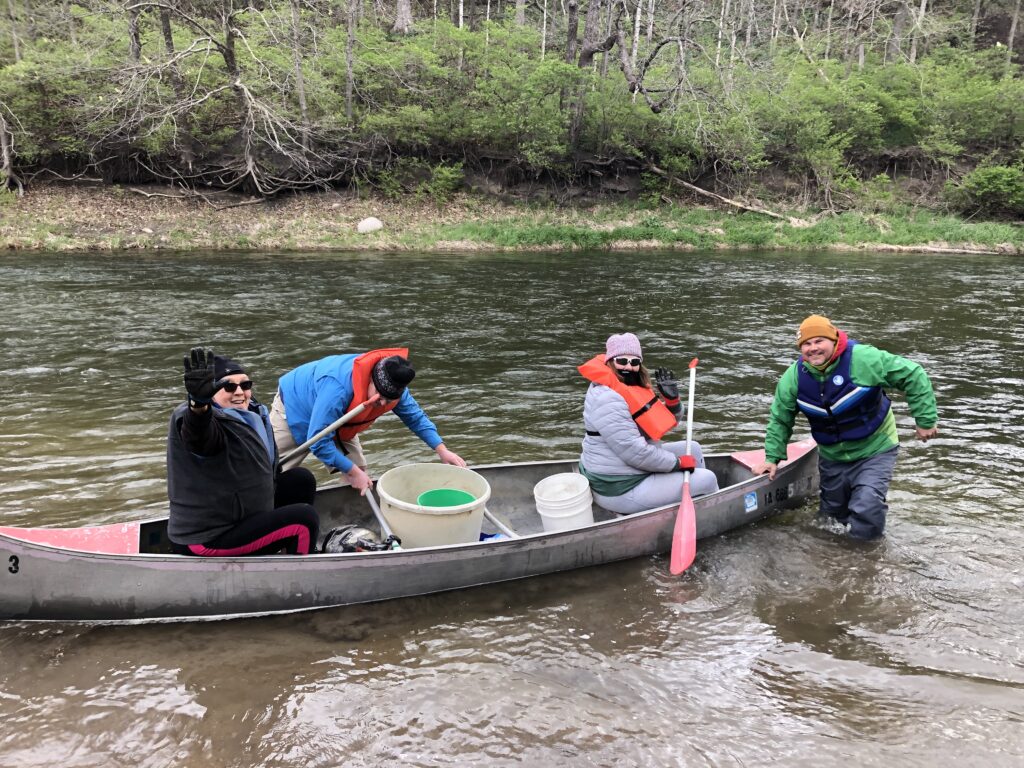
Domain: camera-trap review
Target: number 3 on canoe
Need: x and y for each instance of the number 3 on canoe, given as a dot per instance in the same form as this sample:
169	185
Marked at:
13	567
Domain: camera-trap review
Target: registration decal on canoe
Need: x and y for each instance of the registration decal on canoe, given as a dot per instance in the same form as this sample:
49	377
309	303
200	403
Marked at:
750	502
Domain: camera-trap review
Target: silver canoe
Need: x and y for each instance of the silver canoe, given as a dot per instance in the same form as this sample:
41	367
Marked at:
125	572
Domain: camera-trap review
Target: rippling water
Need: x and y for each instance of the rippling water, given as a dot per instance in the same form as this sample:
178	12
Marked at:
782	645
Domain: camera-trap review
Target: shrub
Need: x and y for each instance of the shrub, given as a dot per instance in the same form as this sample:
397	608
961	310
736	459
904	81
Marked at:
997	190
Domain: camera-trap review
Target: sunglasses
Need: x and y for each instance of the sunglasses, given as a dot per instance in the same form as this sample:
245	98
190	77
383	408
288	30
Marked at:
231	386
635	361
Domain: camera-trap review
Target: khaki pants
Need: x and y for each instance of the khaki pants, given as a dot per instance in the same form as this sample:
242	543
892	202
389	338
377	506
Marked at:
285	441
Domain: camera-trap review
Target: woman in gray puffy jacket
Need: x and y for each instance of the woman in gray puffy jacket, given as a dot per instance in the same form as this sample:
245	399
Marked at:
628	466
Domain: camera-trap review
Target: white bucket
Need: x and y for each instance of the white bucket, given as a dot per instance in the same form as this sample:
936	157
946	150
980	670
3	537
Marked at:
564	501
420	526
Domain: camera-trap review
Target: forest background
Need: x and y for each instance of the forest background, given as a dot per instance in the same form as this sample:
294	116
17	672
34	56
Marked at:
811	107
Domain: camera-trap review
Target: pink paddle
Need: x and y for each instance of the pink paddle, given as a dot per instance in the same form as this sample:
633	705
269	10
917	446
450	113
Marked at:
684	535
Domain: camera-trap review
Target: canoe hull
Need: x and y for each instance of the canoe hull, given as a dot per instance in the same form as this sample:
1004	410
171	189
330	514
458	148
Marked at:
43	581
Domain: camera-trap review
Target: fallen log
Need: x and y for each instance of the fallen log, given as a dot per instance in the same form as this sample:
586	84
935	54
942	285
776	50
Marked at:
793	221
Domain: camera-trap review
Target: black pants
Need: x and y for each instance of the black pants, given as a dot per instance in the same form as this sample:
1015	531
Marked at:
294	486
293	525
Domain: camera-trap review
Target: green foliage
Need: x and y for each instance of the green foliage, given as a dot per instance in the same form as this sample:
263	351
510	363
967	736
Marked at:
877	193
410	175
445	180
652	187
996	190
424	106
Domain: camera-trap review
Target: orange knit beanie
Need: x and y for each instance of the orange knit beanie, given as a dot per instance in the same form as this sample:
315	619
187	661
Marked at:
814	326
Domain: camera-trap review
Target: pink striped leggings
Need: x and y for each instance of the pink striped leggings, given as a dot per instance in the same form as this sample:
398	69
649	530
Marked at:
293	528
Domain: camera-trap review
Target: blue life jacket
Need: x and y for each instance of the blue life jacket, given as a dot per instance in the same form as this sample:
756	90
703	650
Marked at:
837	407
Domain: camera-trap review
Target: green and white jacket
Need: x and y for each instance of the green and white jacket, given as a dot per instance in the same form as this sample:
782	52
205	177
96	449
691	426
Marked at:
869	367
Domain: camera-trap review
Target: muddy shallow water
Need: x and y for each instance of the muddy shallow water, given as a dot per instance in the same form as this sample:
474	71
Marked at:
782	645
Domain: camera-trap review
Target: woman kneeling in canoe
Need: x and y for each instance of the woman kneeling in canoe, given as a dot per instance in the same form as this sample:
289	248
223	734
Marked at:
227	499
628	466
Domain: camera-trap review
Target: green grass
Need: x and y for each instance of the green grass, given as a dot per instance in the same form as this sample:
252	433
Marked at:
705	228
479	223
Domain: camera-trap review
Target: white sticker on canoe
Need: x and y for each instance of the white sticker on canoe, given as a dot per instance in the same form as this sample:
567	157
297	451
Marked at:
750	502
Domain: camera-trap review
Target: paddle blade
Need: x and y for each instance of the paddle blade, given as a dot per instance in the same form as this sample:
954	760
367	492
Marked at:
684	536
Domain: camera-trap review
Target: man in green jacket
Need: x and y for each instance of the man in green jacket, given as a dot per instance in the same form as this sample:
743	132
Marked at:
839	385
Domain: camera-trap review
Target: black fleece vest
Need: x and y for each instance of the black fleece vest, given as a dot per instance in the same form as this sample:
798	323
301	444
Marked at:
211	494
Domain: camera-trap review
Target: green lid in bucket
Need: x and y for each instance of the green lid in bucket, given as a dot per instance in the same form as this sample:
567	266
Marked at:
444	497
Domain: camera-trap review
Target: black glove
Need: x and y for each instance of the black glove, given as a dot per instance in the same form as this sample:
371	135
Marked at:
199	376
667	385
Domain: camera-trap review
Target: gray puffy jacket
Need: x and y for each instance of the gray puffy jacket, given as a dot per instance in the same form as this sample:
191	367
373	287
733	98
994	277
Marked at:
621	448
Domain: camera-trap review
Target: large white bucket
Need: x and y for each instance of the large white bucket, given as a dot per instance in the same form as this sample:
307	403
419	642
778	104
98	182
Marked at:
422	526
564	501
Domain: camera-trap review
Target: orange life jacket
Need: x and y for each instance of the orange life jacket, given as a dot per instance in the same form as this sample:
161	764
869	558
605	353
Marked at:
362	367
650	414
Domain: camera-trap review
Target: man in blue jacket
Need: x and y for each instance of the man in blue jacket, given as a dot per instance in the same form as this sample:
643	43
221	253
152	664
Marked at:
316	394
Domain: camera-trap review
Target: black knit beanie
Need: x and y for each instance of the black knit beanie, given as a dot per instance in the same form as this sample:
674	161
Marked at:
225	366
391	376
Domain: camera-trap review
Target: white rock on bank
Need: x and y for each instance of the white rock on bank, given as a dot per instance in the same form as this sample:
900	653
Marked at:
371	224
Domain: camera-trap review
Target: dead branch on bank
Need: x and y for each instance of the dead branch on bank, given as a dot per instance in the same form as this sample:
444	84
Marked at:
793	221
190	194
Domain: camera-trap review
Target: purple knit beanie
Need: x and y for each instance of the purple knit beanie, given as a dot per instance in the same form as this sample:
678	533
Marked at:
622	344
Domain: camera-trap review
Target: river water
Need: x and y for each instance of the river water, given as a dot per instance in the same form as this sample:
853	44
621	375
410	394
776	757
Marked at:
782	645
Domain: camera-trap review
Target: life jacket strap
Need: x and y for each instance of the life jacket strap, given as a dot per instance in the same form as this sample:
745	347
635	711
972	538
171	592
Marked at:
640	412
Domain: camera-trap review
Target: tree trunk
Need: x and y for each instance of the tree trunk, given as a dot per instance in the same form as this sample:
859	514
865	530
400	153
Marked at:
1013	32
71	22
13	18
590	47
300	81
134	40
918	29
748	37
974	21
634	49
572	24
520	13
187	150
8	178
607	32
544	31
591	33
895	45
350	46
828	29
721	31
403	18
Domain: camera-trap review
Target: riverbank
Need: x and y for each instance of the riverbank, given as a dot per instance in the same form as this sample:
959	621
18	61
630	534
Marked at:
103	218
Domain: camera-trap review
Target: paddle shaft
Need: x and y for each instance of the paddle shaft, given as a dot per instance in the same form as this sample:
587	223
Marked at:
689	414
500	525
384	527
684	535
333	427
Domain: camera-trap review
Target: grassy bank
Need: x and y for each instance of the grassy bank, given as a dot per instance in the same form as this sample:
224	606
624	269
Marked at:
64	218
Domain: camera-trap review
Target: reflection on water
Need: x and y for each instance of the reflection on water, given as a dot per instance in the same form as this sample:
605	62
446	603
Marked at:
783	644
